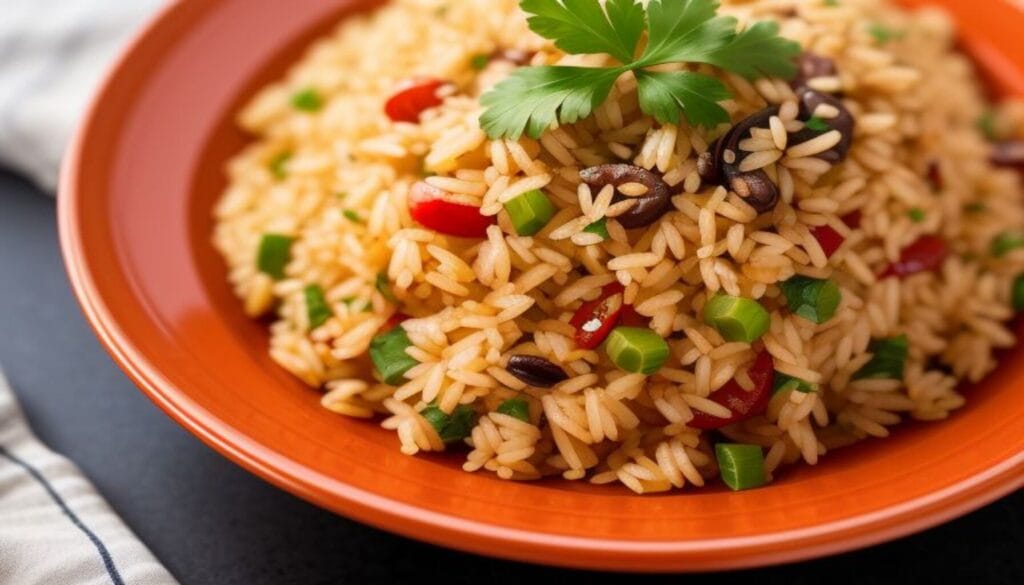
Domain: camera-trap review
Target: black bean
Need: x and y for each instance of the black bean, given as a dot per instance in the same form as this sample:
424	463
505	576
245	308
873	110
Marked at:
648	207
810	66
843	122
1008	154
535	371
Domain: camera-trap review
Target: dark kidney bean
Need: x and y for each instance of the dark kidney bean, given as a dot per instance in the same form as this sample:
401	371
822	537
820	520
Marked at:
844	123
648	208
810	66
757	189
1008	154
535	371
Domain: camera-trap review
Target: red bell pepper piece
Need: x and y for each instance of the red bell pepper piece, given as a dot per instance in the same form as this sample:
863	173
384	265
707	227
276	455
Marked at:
829	238
595	319
429	206
925	253
393	321
412	98
742	403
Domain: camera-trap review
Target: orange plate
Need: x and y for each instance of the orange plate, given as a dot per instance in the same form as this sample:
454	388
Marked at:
136	195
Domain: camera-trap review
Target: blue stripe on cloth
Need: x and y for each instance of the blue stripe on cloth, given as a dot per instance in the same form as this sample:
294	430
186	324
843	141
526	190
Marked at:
101	548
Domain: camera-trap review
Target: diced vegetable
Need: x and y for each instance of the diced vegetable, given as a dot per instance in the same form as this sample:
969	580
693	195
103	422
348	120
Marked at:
741	403
352	216
453	427
828	238
884	35
274	253
387	350
429	206
741	466
383	286
412	98
393	322
916	215
307	100
925	253
530	212
817	124
479	62
786	382
595	319
987	125
813	299
516	408
1017	294
599	227
887	361
634	349
1007	242
736	318
278	165
317	309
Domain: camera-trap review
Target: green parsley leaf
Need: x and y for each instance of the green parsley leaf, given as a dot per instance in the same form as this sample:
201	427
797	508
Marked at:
533	98
666	95
817	124
583	27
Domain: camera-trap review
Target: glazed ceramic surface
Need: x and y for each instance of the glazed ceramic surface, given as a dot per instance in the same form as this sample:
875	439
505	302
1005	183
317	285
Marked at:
135	203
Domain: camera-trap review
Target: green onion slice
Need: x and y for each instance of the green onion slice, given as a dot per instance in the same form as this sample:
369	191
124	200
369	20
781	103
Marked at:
516	408
307	100
1007	242
889	357
813	299
274	253
387	351
450	427
741	466
530	212
637	350
783	382
736	318
317	309
599	227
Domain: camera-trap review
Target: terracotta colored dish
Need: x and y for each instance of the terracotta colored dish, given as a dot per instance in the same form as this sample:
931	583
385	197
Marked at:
135	204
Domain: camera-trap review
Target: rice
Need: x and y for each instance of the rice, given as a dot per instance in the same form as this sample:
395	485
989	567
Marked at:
337	182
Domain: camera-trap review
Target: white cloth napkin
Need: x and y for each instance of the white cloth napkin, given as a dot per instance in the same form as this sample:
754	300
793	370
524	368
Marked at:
54	527
52	55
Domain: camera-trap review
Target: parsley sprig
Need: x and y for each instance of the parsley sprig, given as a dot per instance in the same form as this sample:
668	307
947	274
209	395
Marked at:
532	99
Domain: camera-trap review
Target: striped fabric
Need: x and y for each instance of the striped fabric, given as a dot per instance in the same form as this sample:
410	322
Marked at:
52	54
54	526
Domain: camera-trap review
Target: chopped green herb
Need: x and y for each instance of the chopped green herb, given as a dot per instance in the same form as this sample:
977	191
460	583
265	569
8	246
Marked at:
976	207
358	305
817	124
987	125
516	408
532	99
479	62
599	227
813	299
274	253
831	3
1017	294
887	361
736	318
307	100
450	427
278	165
916	215
635	349
384	287
786	382
884	35
317	309
1007	242
387	350
741	466
530	212
352	216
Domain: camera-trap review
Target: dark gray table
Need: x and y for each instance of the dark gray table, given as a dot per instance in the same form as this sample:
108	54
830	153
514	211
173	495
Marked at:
211	522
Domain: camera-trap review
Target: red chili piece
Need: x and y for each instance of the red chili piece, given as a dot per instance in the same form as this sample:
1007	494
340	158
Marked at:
430	208
926	253
393	321
595	319
741	403
412	98
829	238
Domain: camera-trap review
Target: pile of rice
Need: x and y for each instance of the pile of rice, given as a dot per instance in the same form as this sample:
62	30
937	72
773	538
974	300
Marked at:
915	100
